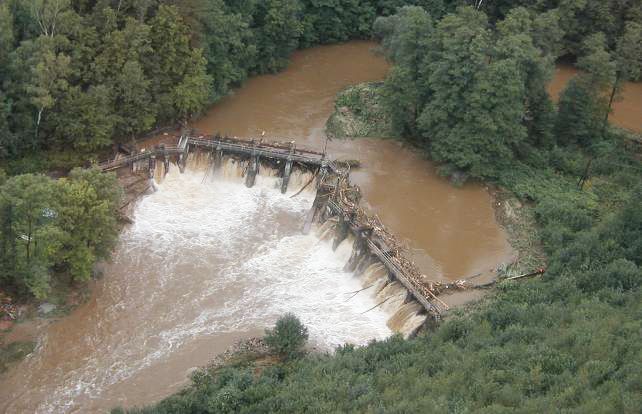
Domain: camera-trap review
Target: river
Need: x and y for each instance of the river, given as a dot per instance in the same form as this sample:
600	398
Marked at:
208	262
627	109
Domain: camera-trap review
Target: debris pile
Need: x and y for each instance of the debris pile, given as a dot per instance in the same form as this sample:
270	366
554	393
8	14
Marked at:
245	346
8	310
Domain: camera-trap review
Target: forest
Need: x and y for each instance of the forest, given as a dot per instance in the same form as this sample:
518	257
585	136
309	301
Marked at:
467	86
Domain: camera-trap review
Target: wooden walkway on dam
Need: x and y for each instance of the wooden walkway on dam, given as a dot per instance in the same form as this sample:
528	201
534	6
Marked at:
253	148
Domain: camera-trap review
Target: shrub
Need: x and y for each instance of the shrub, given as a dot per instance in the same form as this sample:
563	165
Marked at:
287	337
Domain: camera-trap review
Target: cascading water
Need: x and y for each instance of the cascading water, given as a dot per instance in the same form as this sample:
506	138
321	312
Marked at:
255	232
402	316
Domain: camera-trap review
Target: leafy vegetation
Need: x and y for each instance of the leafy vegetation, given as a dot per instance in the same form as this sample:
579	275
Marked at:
474	94
359	112
288	336
567	340
79	75
468	85
55	228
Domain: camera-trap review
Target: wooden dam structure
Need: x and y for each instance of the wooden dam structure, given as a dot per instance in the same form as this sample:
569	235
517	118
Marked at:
336	200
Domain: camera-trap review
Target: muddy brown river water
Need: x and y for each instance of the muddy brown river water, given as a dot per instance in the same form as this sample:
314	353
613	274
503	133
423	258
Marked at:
208	262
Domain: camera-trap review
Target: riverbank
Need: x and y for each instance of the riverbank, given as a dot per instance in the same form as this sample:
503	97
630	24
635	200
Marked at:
565	339
23	321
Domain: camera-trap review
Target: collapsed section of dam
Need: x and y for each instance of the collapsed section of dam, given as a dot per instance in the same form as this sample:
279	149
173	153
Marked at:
372	254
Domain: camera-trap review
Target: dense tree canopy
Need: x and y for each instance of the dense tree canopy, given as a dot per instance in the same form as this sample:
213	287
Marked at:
462	89
80	74
65	224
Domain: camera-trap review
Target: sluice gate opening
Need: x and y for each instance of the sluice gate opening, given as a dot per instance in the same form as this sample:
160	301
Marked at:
372	254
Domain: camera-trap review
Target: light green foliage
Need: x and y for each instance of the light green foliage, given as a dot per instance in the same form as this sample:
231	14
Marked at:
89	202
30	238
68	224
288	336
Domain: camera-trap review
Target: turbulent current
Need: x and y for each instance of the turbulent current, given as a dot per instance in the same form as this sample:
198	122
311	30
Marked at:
257	265
209	257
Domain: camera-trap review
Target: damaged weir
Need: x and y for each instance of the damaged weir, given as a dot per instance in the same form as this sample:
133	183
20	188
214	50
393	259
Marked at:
375	255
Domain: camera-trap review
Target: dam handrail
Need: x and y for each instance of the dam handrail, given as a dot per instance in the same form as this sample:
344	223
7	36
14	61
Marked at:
117	162
258	149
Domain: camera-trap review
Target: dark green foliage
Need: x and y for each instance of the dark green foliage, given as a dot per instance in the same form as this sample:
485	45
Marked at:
578	120
466	85
473	92
330	21
406	40
579	19
567	341
468	93
288	336
84	74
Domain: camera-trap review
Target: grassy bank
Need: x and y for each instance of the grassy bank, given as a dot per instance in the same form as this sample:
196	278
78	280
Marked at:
359	112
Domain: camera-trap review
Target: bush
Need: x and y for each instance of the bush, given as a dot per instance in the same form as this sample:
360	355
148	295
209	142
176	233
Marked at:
288	336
